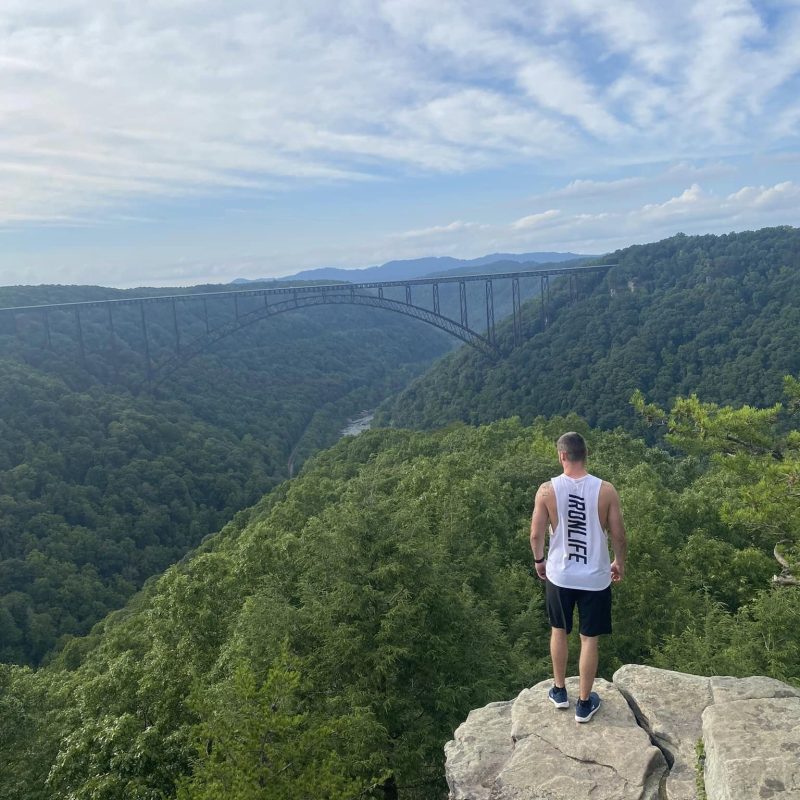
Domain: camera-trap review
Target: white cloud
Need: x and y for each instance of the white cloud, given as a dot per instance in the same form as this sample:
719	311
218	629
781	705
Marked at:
440	230
650	35
685	203
558	89
535	220
693	211
104	106
784	195
587	187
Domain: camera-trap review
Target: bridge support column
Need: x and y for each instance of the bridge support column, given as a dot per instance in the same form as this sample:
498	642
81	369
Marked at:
573	288
462	298
408	295
516	310
436	298
490	312
545	296
205	314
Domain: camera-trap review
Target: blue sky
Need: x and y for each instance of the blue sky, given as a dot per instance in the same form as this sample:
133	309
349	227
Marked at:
173	142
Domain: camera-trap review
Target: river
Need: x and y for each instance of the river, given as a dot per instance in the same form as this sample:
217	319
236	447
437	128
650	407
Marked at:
356	425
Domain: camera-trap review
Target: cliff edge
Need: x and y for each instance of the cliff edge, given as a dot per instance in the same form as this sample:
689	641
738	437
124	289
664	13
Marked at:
659	735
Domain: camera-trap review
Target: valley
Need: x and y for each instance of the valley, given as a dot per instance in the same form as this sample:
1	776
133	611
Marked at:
164	586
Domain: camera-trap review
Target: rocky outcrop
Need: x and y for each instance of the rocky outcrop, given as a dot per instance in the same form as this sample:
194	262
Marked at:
642	743
669	705
481	746
752	749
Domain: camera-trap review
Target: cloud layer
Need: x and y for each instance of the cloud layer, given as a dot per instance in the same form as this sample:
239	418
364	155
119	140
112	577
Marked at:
102	103
108	109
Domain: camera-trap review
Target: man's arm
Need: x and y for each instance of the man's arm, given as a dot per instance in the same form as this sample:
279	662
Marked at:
539	522
616	531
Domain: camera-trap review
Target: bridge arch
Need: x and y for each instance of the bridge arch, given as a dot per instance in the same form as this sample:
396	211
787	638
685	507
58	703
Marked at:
160	373
278	299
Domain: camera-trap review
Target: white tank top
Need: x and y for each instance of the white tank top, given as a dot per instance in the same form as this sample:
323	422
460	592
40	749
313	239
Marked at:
578	554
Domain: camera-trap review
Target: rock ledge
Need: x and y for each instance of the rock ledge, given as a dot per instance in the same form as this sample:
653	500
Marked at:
641	744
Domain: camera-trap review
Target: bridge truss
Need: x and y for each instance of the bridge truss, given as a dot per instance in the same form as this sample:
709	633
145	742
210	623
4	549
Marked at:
281	299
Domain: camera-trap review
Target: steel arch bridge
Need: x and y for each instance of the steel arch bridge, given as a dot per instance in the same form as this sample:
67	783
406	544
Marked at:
282	299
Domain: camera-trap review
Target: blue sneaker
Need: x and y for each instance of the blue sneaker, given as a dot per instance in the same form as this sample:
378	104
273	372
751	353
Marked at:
586	709
558	697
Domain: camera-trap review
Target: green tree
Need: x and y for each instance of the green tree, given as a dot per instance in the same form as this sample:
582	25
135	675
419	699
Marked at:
261	740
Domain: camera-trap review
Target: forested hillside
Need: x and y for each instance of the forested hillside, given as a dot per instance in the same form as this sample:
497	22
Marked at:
103	485
716	315
326	642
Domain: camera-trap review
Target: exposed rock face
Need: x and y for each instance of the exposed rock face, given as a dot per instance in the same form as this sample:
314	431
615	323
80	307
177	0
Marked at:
556	757
669	706
753	749
481	746
526	749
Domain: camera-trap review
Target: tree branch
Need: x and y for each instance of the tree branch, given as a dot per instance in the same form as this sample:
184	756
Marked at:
785	578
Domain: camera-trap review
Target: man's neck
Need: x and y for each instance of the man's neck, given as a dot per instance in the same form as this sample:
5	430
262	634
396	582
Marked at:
575	471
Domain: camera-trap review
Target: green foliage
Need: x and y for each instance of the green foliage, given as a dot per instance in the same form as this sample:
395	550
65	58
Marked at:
758	466
716	316
745	628
759	639
699	767
332	638
29	728
262	740
100	487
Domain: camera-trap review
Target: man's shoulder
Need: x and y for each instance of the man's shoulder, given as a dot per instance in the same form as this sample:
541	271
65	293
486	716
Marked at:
546	491
607	488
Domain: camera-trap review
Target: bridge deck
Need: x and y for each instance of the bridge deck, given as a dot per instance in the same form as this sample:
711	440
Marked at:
308	288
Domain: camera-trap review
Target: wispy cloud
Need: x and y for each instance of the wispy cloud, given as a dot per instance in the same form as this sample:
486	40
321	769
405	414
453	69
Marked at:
440	230
102	106
692	210
587	187
466	126
784	195
535	220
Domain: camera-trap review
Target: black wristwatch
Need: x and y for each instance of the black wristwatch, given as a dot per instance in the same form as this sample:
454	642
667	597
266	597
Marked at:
539	560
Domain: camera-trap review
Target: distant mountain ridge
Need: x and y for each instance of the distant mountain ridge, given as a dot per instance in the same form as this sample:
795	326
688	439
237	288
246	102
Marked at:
400	270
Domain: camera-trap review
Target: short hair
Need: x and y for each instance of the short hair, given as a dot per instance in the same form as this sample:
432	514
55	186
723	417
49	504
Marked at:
574	445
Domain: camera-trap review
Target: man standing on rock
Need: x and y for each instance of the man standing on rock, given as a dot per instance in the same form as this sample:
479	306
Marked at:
579	509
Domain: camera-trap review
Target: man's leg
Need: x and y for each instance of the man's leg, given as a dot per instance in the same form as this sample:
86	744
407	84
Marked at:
588	664
559	648
594	609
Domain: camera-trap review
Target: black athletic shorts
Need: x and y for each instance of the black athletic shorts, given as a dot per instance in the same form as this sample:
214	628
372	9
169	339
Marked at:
594	608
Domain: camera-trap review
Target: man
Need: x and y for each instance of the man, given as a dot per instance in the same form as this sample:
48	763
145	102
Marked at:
579	509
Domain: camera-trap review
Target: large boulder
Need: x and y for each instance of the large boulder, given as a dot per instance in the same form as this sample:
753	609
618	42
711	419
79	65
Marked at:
669	706
642	743
730	717
554	756
550	755
478	751
752	749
